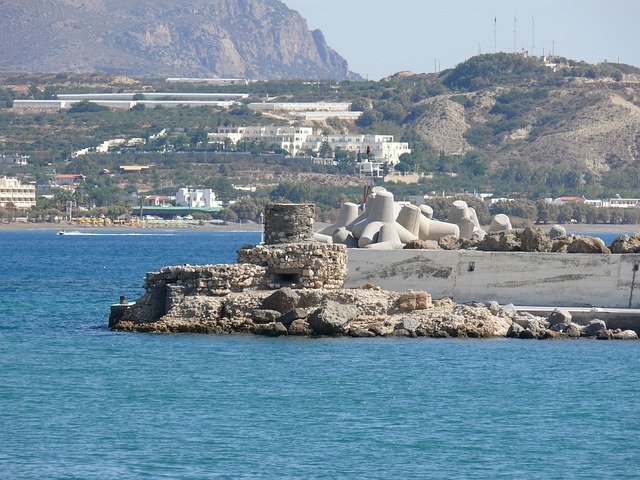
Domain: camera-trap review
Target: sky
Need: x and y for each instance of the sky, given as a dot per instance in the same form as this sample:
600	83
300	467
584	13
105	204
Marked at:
382	37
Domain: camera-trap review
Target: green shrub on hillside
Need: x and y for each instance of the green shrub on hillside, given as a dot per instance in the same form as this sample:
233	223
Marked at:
493	69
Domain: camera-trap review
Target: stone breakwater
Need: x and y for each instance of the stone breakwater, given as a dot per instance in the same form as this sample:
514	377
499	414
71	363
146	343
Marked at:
359	312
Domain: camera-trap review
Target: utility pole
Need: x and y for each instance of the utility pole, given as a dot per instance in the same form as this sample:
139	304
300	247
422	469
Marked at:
533	34
515	34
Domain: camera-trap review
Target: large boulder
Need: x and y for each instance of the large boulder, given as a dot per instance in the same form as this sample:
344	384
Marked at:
450	242
291	316
500	242
559	316
557	231
262	316
422	245
584	244
534	240
625	335
282	300
561	244
626	244
331	318
594	327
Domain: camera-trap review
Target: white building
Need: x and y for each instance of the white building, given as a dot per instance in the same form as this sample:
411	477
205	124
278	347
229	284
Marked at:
198	198
301	106
383	148
22	196
16	159
290	139
296	139
372	169
210	81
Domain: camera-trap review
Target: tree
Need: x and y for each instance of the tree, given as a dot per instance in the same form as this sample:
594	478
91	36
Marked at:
547	212
49	93
325	150
202	216
292	191
228	215
565	212
85	106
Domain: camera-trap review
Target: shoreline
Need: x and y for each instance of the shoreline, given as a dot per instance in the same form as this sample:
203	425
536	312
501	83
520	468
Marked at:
230	227
572	228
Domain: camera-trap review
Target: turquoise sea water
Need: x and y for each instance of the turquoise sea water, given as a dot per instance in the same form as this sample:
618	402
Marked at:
78	401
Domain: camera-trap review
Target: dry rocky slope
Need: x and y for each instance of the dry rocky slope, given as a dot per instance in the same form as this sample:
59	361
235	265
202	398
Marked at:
597	126
258	39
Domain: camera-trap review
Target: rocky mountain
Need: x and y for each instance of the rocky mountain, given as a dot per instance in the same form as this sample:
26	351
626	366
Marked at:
257	39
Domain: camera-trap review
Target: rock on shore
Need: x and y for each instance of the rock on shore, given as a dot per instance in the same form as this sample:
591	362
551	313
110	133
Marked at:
361	312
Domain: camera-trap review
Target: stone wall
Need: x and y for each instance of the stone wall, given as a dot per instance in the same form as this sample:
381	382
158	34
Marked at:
288	223
299	265
169	286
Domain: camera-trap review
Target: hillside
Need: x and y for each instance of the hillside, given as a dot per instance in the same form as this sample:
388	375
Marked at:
256	39
501	123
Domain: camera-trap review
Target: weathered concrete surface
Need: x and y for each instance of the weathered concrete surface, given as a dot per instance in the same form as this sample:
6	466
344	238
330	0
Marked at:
544	279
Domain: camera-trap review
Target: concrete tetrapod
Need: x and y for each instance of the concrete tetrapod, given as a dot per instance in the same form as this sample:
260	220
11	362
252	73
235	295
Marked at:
477	229
500	223
348	213
460	215
435	229
345	237
382	211
409	218
427	211
388	239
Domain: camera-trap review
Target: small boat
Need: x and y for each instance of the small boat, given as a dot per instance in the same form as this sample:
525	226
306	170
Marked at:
62	232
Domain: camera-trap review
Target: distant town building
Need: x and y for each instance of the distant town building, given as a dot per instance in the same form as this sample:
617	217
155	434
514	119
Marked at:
44	105
383	148
296	139
615	202
16	159
301	106
92	97
210	81
13	192
68	181
134	168
198	198
159	200
290	139
372	169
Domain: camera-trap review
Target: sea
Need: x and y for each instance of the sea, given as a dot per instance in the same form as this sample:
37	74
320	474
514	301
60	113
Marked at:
80	402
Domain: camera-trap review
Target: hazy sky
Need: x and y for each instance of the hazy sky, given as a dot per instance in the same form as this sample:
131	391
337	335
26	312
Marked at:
381	37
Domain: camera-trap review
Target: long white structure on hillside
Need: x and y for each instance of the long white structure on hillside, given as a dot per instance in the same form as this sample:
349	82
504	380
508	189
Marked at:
524	278
296	139
120	104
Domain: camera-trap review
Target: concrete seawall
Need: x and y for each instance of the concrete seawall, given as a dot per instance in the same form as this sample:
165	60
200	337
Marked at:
524	278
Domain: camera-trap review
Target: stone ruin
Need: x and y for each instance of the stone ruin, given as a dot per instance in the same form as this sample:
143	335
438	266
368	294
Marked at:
386	224
292	285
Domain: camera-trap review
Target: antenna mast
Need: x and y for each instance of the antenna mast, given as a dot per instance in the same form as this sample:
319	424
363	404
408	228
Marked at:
515	34
495	30
533	34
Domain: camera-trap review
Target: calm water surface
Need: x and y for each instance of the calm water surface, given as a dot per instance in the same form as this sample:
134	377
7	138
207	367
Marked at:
77	401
